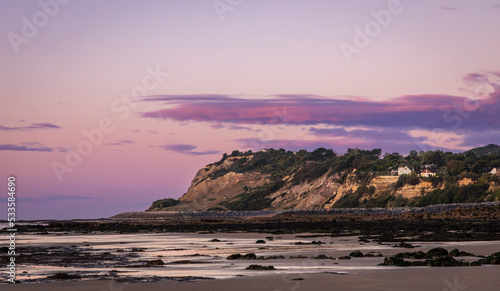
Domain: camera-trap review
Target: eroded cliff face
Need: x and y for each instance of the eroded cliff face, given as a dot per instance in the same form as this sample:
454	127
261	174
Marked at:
314	194
215	186
211	189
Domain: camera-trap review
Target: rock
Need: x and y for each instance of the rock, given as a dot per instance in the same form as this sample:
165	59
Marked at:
249	256
234	257
454	253
345	258
64	276
395	261
436	252
493	259
260	268
356	254
411	255
445	261
260	241
275	258
404	245
158	262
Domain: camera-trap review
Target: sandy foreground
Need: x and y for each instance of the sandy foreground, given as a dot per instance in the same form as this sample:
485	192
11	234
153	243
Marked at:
291	274
485	278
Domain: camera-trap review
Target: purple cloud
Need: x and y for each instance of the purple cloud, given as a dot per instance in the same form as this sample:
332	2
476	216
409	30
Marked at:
29	147
388	120
121	142
186	149
54	197
448	8
412	111
32	126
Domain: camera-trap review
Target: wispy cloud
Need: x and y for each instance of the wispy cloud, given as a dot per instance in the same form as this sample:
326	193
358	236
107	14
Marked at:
411	111
54	198
25	148
383	121
32	147
121	142
449	8
31	127
58	197
186	149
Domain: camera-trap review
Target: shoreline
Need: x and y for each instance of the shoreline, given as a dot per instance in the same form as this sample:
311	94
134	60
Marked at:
416	279
131	259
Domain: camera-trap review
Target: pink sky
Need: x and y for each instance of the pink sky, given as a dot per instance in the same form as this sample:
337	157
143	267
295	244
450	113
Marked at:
180	83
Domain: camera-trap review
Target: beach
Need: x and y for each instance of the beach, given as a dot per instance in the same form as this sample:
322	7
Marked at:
414	279
200	261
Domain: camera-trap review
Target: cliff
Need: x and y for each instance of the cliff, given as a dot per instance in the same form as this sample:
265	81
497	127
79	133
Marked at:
279	179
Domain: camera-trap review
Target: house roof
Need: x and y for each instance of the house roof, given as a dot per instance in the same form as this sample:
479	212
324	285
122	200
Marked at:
427	172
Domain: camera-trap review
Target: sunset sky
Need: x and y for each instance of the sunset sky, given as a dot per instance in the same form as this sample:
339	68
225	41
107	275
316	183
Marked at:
110	105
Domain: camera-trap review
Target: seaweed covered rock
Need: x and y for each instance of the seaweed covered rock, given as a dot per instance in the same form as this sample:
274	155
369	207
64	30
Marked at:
395	261
64	276
249	256
155	263
493	259
457	253
436	252
411	255
356	254
260	268
445	261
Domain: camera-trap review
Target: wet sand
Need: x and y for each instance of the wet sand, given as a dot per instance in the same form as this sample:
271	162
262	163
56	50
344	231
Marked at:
411	279
291	274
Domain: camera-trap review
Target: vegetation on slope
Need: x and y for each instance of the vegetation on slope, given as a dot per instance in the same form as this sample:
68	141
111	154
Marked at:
303	167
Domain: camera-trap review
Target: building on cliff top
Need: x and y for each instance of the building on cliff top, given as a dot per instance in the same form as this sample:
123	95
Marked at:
405	170
427	173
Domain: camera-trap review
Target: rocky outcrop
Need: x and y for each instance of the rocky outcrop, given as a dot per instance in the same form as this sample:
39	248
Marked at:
212	186
268	181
